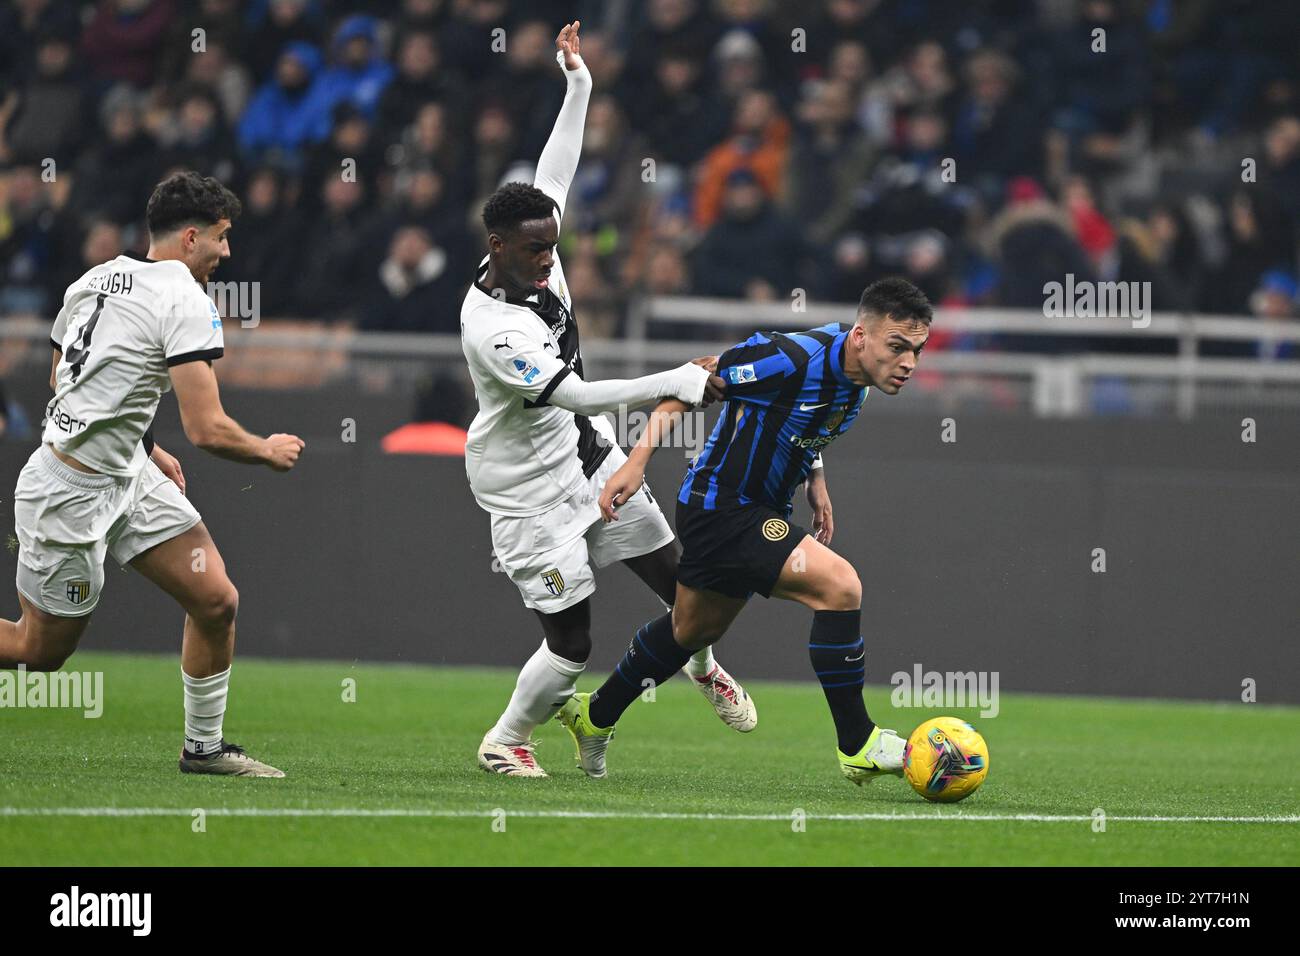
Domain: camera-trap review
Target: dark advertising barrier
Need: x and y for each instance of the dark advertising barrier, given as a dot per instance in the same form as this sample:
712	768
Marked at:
975	555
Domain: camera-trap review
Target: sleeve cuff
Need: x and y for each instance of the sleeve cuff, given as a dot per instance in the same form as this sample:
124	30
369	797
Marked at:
55	345
204	355
549	390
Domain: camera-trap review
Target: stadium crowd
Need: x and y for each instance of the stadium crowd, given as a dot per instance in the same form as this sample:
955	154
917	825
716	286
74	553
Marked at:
738	148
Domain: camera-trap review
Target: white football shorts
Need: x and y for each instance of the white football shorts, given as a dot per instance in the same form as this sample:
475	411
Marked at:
549	556
68	520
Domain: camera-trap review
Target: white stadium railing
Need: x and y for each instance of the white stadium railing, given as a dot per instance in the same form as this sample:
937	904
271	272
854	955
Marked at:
1053	384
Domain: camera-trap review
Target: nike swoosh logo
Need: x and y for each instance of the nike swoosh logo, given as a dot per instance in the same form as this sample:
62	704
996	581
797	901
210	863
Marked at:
850	660
809	408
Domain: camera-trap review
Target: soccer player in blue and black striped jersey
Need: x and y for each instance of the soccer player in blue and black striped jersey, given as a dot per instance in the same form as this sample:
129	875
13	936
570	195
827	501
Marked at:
788	396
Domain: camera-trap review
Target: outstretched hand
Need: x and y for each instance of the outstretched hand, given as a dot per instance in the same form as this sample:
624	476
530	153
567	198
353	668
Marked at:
622	485
569	43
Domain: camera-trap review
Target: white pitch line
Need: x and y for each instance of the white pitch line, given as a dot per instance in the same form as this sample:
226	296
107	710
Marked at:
417	813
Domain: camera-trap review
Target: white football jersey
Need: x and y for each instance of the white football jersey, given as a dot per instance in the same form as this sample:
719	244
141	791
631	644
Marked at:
524	456
122	326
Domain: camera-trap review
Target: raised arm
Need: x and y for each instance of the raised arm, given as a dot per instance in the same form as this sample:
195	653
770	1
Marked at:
559	159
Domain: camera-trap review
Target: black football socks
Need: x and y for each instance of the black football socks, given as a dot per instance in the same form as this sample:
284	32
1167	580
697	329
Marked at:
838	655
652	658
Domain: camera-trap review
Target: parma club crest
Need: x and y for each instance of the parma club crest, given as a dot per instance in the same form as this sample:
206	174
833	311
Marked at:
554	581
78	591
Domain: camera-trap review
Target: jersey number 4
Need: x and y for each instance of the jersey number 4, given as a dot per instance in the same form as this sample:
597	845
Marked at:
76	355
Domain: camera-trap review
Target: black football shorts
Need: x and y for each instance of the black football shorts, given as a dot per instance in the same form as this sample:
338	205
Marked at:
737	550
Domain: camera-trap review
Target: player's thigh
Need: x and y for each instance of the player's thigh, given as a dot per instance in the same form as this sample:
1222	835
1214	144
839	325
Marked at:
638	538
62	519
818	578
190	568
49	639
550	572
701	617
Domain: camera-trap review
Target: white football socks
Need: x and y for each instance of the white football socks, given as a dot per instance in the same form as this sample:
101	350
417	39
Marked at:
205	707
545	683
701	663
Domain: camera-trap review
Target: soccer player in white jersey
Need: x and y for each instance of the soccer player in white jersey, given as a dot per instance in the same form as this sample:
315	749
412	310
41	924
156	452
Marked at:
536	461
129	330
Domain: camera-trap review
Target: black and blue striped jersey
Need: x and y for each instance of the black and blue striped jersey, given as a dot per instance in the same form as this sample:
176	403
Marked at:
787	398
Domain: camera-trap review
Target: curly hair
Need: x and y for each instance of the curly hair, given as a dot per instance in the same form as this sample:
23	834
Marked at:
185	199
897	298
515	203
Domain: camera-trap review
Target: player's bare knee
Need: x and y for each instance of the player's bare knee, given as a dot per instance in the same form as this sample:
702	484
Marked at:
845	590
218	607
691	633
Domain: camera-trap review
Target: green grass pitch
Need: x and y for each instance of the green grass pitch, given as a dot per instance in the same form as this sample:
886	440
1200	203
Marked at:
391	779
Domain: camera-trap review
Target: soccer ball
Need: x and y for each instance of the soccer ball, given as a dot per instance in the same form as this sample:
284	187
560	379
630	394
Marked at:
946	760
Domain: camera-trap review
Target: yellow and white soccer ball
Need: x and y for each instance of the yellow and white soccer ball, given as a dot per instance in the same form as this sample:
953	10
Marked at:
946	760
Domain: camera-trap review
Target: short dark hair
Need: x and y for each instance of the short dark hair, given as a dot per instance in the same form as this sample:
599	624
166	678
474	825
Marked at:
515	203
897	298
188	199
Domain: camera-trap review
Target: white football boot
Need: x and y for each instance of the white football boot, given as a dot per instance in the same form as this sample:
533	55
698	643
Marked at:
230	761
728	699
510	760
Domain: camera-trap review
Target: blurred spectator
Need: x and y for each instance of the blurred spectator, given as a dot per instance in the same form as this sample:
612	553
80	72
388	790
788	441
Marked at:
414	291
124	39
1274	300
275	24
1098	94
527	86
358	76
1258	241
594	297
607	190
1279	170
995	133
830	158
339	266
29	223
52	109
275	126
261	239
228	78
759	143
494	148
420	79
22	23
350	147
115	176
1033	240
920	84
678	110
752	251
667	271
198	137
